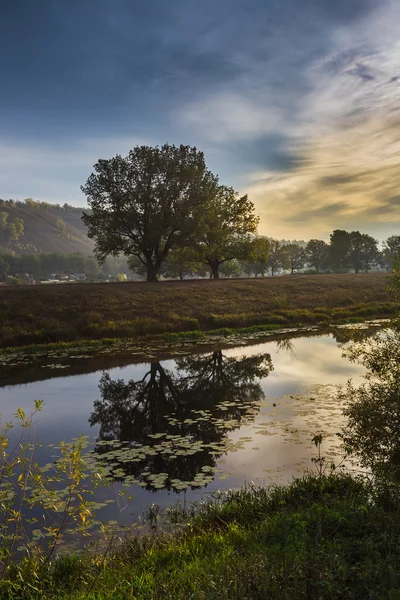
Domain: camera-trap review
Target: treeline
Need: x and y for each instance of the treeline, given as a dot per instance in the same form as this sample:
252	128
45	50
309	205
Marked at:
42	266
164	209
38	205
346	252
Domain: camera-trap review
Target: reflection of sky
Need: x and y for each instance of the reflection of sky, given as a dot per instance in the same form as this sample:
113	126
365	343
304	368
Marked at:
309	372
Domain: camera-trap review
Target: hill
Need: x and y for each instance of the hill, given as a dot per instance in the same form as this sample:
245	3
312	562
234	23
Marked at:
46	228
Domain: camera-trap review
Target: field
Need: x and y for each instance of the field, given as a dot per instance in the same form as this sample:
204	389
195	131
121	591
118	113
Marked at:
70	312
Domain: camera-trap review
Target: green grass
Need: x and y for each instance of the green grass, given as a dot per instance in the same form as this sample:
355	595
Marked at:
48	315
318	538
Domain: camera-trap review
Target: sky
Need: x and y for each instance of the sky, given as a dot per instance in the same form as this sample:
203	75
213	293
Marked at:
295	102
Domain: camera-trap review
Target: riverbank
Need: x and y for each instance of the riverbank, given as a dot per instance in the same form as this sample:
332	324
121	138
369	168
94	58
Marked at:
75	312
320	537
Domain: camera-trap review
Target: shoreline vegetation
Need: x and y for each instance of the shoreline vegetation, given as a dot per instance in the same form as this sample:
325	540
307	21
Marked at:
322	536
76	314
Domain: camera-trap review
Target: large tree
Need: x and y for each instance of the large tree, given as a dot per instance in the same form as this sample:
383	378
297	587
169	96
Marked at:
339	250
316	253
143	205
223	227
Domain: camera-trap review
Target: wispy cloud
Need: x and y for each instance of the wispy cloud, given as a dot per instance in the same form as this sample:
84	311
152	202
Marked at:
294	102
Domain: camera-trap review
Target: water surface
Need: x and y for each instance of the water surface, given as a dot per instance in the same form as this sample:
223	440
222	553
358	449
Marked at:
196	424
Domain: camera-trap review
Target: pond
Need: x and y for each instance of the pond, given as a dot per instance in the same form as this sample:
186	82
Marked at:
185	427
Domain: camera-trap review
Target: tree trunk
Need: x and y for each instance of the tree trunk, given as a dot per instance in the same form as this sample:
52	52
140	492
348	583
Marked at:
214	265
152	271
181	276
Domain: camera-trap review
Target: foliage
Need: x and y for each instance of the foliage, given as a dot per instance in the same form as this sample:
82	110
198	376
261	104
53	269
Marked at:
258	259
352	250
40	505
319	537
278	258
391	251
339	250
61	227
363	252
231	268
297	257
224	223
182	262
10	230
144	204
373	409
317	254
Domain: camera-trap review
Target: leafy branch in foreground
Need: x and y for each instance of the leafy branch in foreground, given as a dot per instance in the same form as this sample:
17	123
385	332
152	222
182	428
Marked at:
42	505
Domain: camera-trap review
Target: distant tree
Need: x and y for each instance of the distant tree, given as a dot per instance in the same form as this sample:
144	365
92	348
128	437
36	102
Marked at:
3	228
363	253
143	205
231	268
297	256
15	229
223	227
180	262
30	203
91	268
278	258
29	263
260	248
10	230
247	267
316	254
339	250
61	227
391	251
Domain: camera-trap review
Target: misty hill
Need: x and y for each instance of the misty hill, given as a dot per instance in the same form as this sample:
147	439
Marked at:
44	228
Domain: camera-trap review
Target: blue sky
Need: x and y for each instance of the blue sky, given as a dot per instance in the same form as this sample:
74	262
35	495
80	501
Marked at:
294	101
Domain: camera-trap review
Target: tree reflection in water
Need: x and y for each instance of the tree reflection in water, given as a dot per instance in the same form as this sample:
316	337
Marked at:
189	411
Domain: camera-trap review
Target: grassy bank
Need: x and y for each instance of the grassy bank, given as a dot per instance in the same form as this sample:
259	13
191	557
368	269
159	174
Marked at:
320	537
67	313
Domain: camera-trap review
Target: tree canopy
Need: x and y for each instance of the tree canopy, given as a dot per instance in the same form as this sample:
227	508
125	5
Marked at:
316	253
223	227
144	204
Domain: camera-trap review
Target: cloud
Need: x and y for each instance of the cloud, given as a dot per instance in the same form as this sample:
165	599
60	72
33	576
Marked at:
347	131
296	103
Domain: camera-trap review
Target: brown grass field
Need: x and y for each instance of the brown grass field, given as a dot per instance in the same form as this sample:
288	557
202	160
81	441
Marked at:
69	312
